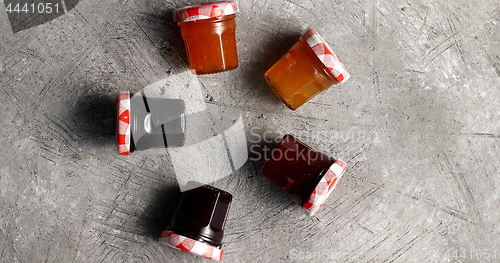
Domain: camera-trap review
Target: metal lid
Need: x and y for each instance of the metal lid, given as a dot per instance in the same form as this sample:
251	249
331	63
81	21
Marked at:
191	246
326	55
123	123
324	187
205	11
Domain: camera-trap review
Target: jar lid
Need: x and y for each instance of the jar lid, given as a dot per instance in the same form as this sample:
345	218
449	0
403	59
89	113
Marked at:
324	187
123	122
326	55
205	11
191	246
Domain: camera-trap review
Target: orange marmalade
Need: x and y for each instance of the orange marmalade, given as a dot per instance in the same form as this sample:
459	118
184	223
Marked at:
208	31
308	68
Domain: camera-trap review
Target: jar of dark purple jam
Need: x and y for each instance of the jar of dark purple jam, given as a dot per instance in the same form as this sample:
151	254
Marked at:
197	226
306	175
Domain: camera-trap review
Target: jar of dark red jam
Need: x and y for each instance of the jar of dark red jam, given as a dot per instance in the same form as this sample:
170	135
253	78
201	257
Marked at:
208	31
306	175
147	123
308	68
197	226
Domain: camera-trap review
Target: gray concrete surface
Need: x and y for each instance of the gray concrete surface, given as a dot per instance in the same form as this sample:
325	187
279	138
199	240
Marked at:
418	124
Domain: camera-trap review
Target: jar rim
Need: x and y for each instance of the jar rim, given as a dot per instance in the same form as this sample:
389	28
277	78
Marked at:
205	11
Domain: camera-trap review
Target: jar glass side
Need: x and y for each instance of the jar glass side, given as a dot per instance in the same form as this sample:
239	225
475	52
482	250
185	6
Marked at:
210	44
162	128
201	215
296	168
299	75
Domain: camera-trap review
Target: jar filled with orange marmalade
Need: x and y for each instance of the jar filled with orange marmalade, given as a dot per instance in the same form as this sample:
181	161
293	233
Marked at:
308	68
208	31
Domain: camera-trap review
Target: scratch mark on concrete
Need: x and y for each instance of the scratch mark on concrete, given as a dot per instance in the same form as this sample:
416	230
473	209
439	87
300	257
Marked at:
365	228
479	134
48	159
460	51
464	188
59	135
417	71
291	2
493	65
16	103
434	48
70	67
152	42
84	19
480	167
448	47
424	21
364	196
277	32
374	26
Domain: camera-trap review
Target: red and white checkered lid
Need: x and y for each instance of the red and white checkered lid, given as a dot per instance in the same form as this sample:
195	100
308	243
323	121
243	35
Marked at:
205	11
326	55
191	246
324	187
123	123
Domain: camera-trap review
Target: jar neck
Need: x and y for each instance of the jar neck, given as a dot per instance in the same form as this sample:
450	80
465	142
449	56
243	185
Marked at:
216	242
316	174
207	21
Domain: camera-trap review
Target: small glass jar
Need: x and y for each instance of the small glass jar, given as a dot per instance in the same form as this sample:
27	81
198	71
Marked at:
306	175
139	128
308	68
197	226
208	31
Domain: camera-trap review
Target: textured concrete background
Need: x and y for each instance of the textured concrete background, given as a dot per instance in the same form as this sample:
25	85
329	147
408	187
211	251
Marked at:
418	124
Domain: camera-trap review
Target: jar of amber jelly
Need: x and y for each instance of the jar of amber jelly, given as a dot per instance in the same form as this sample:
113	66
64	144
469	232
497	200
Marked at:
208	31
306	175
308	68
197	226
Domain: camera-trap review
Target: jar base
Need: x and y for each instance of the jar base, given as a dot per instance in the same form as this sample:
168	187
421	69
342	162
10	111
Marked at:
212	71
278	94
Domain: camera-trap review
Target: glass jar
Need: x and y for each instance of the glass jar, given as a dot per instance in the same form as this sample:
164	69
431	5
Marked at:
307	69
140	128
197	226
208	31
306	175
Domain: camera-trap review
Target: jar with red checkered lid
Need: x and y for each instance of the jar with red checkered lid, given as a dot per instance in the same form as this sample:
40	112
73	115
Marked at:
306	175
308	68
208	31
197	226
